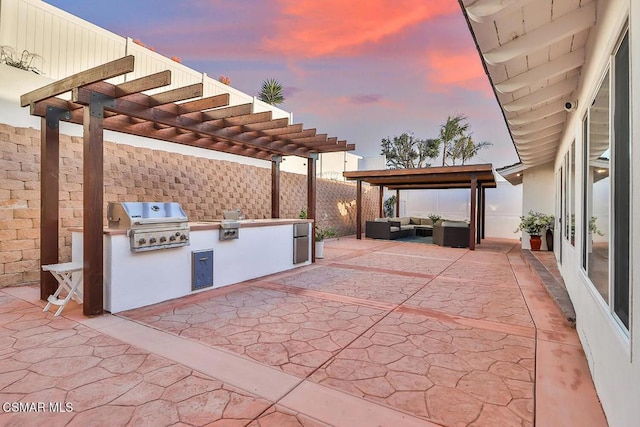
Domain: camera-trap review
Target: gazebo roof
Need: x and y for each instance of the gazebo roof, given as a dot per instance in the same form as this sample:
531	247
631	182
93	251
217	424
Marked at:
427	178
177	116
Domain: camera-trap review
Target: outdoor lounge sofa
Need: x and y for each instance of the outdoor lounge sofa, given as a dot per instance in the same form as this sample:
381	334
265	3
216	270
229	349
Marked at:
451	233
393	228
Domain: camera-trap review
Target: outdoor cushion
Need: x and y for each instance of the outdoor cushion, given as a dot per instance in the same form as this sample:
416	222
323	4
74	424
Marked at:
381	219
426	221
415	220
408	227
403	220
392	229
454	224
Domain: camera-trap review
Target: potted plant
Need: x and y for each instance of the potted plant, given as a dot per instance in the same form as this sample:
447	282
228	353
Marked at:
24	61
434	217
533	223
593	227
322	233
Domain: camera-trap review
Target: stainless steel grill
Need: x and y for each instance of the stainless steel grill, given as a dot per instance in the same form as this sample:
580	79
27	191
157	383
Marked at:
150	225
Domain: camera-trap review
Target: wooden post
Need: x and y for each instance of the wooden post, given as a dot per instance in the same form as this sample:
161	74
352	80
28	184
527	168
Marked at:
472	214
483	209
479	213
381	202
93	205
397	203
311	199
49	196
359	209
275	186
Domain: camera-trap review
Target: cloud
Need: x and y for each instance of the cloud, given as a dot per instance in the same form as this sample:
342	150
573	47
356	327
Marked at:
373	98
290	91
337	27
463	69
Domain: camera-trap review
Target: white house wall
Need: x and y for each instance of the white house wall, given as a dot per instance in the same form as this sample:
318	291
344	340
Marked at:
537	195
65	43
612	353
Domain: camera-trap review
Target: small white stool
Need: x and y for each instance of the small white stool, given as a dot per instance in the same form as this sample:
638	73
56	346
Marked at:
64	275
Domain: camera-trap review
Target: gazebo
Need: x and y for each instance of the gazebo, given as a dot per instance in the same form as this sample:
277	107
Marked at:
179	115
475	177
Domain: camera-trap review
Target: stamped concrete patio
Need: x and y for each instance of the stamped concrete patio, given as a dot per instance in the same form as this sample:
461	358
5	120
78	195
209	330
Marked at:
378	333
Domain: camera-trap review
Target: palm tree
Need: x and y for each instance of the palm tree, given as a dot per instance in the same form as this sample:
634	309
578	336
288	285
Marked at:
271	92
465	148
470	149
452	131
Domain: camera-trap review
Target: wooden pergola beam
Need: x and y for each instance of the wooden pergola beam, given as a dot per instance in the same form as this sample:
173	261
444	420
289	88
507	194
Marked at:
227	112
175	95
203	104
246	119
285	130
126	107
102	72
434	186
153	81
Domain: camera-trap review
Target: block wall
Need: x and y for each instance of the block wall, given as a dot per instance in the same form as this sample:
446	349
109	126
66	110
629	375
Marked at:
203	187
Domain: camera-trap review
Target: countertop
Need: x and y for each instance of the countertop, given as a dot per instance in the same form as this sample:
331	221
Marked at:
215	224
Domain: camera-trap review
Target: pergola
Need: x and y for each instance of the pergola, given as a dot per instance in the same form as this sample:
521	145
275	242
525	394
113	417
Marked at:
474	177
181	116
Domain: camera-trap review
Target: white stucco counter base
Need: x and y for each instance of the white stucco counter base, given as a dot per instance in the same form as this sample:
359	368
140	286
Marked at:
133	280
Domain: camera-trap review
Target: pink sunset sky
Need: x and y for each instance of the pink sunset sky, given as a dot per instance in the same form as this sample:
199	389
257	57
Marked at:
357	70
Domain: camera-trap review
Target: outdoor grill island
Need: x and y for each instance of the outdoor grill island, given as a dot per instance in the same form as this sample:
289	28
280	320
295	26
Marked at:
152	253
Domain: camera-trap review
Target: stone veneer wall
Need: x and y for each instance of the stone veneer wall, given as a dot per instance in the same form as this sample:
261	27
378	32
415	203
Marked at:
204	187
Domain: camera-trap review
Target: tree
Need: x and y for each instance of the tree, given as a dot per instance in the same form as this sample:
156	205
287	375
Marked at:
453	130
271	92
465	149
406	151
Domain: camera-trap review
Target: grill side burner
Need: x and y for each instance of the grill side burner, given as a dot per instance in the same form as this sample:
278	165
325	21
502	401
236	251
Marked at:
150	225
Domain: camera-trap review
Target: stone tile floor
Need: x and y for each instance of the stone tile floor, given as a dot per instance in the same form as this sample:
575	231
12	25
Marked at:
376	334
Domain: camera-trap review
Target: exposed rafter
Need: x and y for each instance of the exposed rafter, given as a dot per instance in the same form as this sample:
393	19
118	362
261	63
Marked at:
539	125
486	10
537	114
549	93
544	72
543	36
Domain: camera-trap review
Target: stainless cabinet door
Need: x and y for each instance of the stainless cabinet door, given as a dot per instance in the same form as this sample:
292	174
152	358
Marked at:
300	249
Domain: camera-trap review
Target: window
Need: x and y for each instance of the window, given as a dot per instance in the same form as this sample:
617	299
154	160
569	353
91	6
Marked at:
571	193
598	192
607	190
565	188
622	181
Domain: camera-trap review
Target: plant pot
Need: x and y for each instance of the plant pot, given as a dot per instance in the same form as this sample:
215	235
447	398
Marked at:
535	242
549	237
320	249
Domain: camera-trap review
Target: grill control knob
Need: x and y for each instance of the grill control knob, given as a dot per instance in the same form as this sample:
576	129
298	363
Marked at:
163	239
172	237
183	237
142	241
177	233
152	240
